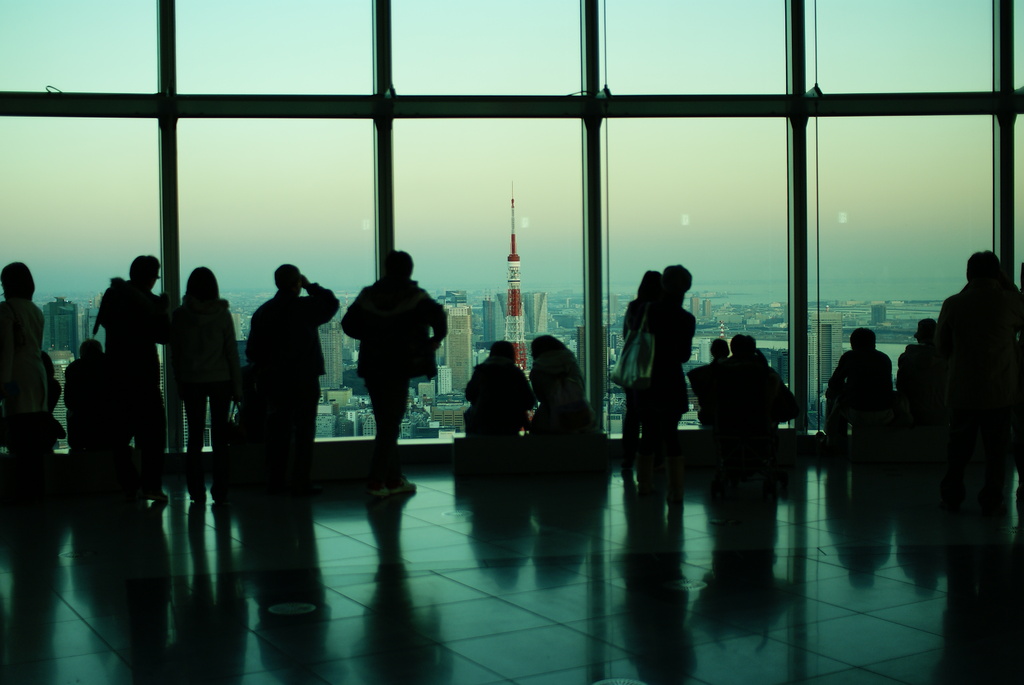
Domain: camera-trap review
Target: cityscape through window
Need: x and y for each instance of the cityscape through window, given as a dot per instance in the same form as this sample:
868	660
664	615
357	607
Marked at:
610	138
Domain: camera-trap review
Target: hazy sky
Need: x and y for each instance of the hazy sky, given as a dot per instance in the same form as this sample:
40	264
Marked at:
897	199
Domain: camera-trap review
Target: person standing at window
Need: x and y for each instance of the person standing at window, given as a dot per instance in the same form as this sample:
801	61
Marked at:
204	356
399	327
23	377
284	348
977	333
136	321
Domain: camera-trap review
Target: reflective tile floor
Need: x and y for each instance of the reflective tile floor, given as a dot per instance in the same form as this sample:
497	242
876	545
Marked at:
854	577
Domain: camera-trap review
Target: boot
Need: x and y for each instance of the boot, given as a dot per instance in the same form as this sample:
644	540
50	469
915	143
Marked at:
676	478
644	474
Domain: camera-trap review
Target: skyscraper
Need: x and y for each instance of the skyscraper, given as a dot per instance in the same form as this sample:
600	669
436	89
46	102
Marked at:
60	331
490	319
878	314
825	346
535	311
459	345
332	341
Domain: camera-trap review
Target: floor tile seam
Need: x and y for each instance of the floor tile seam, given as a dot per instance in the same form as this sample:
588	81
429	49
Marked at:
873	614
908	583
858	669
860	613
429	643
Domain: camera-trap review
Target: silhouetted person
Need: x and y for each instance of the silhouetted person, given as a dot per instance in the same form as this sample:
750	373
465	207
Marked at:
499	394
977	334
52	430
859	392
702	381
204	355
23	378
87	399
662	404
921	378
399	327
648	291
755	376
136	321
558	384
284	348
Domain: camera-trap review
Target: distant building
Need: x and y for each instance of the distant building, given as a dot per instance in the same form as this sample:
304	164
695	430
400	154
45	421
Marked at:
824	347
490	318
535	312
444	380
325	420
61	325
459	345
332	341
878	314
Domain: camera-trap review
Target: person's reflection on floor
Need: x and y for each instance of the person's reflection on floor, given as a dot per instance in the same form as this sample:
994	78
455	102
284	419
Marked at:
569	515
209	610
656	605
499	510
285	529
391	624
982	617
149	603
850	515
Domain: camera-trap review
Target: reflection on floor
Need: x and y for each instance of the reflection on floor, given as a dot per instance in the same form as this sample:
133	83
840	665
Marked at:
855	577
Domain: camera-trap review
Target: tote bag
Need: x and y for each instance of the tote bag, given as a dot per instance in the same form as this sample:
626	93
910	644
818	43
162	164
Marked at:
633	370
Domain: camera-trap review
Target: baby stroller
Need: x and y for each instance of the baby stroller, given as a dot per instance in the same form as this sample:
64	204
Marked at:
745	432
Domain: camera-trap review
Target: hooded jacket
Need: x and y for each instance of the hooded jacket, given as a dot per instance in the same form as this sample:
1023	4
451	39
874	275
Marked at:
21	367
203	345
399	326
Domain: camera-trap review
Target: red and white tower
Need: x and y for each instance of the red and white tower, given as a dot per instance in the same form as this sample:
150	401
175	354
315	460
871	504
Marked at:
514	310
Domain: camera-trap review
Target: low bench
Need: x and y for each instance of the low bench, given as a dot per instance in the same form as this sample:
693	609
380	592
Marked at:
485	454
920	444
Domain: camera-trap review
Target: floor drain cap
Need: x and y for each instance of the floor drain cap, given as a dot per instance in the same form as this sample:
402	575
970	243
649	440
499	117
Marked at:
458	514
75	555
686	584
292	609
620	681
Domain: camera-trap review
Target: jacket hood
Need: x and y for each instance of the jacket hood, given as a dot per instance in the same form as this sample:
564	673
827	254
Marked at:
391	296
555	362
204	308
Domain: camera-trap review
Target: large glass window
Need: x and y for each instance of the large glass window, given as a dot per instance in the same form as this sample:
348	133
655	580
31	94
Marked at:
454	182
881	46
467	47
691	46
710	195
302	46
78	47
80	200
901	204
256	194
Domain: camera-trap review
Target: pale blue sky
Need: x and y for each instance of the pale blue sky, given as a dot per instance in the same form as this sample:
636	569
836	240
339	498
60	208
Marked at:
708	193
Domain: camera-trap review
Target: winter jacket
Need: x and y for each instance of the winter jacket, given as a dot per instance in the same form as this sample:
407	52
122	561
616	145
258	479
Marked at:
976	332
399	327
673	329
203	345
500	396
284	337
863	379
21	367
550	371
136	321
921	378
